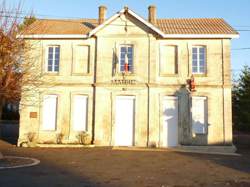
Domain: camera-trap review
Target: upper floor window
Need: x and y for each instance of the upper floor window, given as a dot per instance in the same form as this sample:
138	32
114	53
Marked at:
81	59
168	60
53	58
198	59
126	58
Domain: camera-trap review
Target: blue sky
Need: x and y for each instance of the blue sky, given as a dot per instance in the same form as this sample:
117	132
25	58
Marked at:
236	13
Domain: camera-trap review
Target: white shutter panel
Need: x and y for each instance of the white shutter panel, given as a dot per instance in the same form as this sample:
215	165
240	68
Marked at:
80	112
49	112
168	60
199	117
81	61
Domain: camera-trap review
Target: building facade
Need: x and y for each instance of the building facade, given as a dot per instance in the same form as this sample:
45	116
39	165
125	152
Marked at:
128	81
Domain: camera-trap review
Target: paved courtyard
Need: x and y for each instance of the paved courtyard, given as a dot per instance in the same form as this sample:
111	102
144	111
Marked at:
107	167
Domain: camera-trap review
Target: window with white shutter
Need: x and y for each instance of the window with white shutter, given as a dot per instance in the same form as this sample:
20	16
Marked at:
81	59
168	60
80	108
199	115
49	112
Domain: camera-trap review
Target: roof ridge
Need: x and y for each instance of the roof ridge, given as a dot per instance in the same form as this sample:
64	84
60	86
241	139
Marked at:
203	18
65	19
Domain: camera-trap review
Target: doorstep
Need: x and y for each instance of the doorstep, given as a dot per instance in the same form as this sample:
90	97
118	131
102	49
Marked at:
63	146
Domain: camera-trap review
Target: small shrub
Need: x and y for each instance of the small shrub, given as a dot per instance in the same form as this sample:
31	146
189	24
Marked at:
59	137
83	138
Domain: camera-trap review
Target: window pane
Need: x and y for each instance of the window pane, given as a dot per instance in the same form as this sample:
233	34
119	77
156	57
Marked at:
194	69
202	69
202	63
202	56
121	67
57	49
194	63
130	49
50	49
57	56
56	62
49	68
50	62
56	68
202	50
129	55
123	49
195	56
194	50
50	56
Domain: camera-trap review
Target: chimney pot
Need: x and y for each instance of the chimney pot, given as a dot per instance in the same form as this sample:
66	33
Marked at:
152	14
102	14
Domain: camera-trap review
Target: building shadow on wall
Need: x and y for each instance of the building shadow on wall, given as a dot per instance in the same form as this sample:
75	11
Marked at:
186	123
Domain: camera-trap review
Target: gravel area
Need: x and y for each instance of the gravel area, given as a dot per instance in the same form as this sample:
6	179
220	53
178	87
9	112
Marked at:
102	166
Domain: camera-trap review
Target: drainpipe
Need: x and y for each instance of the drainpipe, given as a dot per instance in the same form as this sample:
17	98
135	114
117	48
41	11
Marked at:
223	82
148	105
94	93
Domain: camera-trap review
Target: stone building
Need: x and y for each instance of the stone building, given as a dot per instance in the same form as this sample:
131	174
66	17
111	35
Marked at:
130	81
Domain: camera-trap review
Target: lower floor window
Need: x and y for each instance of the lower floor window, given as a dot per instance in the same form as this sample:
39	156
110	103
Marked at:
199	115
49	112
80	105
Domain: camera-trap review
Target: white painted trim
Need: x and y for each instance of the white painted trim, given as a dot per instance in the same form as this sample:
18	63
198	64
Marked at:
146	22
131	13
35	36
91	33
201	36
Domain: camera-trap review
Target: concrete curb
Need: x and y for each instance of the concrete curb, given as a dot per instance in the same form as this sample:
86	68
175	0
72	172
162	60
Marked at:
35	162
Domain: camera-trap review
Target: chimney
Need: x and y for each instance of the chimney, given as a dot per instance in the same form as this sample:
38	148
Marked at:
102	14
152	14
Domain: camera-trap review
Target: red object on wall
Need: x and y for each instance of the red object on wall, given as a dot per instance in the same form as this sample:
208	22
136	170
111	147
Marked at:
126	67
192	84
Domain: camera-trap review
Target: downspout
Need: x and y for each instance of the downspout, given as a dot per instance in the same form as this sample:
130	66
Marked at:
223	82
94	93
148	105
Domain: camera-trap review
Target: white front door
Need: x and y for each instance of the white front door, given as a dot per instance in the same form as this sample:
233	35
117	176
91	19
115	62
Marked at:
124	120
170	121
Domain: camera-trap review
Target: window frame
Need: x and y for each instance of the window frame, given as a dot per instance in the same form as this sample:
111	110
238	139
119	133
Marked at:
53	59
119	57
198	72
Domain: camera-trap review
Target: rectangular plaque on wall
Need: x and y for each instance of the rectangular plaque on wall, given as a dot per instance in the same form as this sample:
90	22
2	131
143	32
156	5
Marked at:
33	114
